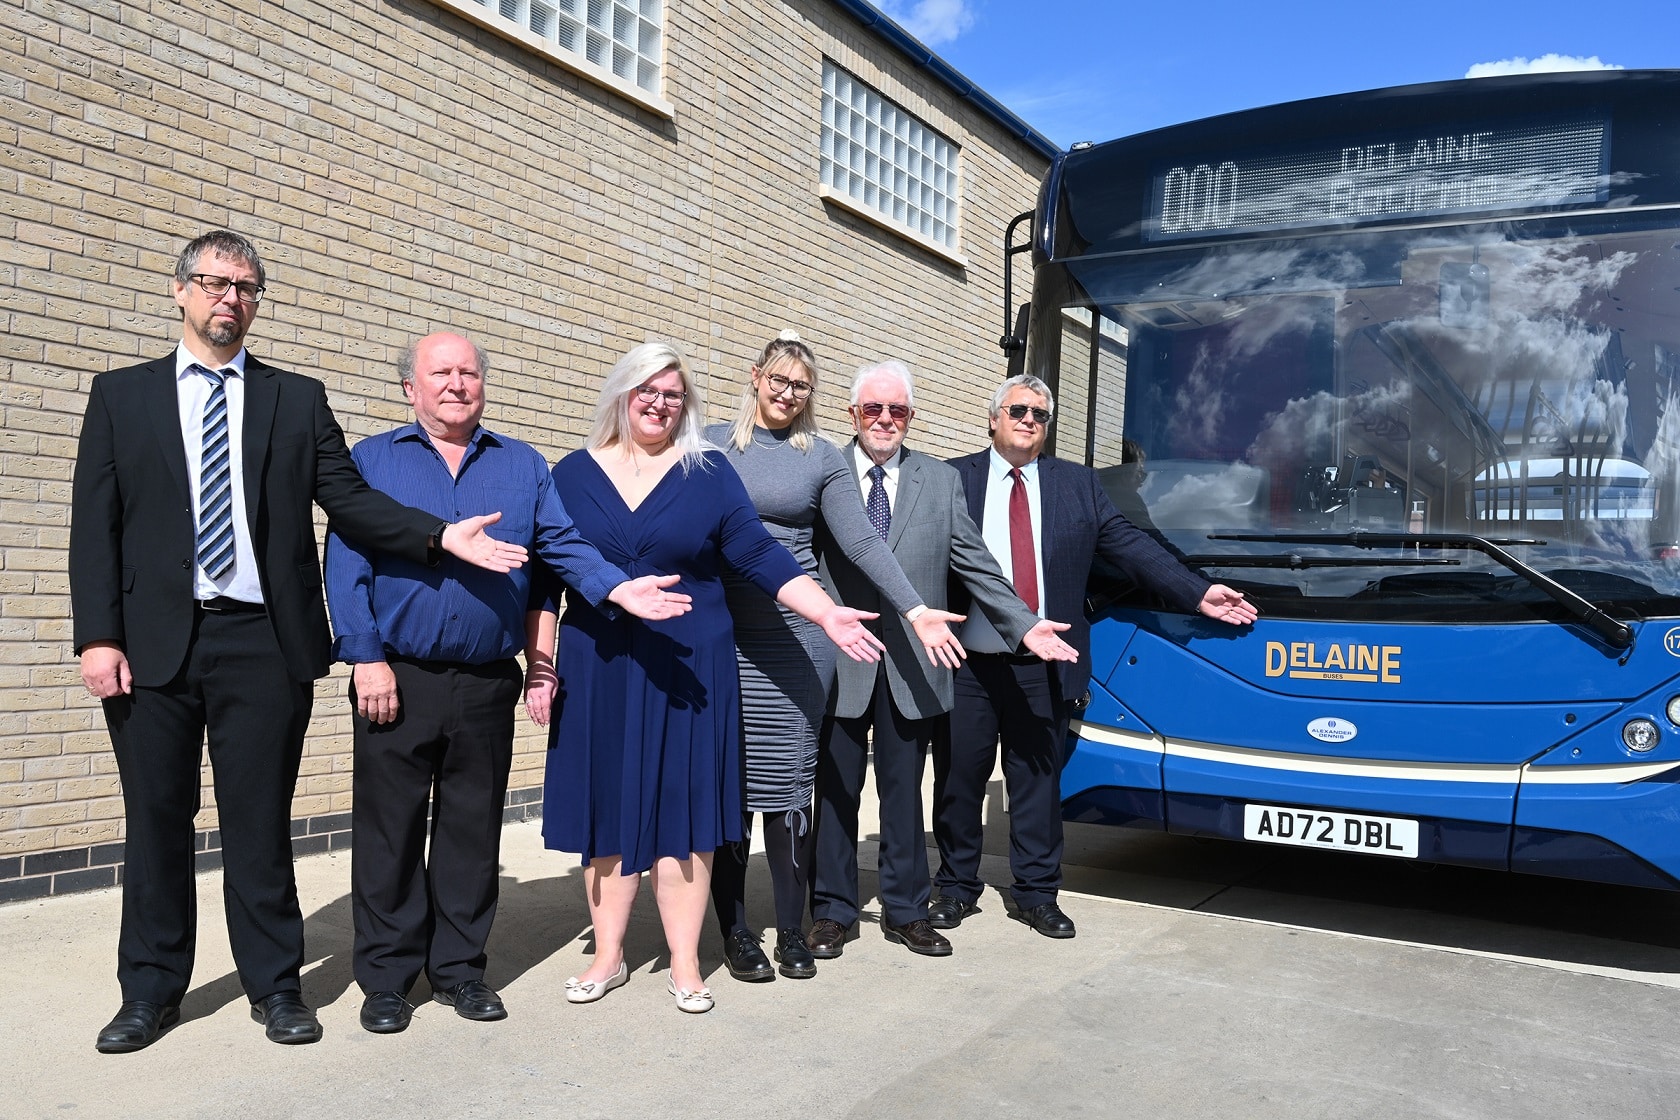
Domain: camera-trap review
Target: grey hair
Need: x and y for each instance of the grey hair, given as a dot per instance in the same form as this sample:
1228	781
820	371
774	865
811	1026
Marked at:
1026	381
612	412
784	350
220	243
411	354
892	367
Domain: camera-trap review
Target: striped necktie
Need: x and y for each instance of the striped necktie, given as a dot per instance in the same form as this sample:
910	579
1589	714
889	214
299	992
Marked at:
215	481
880	514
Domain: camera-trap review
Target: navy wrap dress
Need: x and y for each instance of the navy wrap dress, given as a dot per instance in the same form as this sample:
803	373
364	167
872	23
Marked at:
644	756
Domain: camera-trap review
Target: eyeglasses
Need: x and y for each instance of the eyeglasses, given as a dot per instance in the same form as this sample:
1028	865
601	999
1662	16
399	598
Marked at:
647	394
873	410
780	384
216	287
1019	412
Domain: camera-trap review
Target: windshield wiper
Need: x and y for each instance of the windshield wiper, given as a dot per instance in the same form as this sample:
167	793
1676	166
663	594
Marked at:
1618	635
1296	560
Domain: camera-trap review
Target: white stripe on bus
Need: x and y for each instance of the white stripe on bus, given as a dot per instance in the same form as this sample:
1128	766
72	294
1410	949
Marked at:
1613	774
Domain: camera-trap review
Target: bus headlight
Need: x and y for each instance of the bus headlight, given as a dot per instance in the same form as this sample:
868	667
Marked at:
1674	710
1640	735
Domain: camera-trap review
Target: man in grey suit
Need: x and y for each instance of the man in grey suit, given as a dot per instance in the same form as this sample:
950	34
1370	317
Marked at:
916	503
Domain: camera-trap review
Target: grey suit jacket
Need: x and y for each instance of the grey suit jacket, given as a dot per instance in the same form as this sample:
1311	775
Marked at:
932	537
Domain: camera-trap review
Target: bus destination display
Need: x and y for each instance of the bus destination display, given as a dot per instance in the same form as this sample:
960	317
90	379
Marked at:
1491	167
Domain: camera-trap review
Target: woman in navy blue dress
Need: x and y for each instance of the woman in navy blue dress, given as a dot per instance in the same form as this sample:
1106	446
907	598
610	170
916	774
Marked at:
644	759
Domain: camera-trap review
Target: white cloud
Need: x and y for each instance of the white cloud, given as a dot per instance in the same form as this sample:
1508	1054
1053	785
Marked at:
1545	64
932	21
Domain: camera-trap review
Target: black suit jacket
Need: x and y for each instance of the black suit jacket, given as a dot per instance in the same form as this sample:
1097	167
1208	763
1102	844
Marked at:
132	532
1079	523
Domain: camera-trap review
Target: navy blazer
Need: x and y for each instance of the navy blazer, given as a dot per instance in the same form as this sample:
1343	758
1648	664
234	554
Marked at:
132	532
1080	523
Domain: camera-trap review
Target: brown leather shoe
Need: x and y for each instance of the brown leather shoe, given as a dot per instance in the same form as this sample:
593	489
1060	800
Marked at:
918	936
827	940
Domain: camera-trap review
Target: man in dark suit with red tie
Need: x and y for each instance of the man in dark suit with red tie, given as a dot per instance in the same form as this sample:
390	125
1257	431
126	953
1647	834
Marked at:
195	583
1046	520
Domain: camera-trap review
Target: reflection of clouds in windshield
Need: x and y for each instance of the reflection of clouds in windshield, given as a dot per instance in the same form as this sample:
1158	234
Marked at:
1584	417
1214	496
1548	303
1200	402
1234	274
1311	423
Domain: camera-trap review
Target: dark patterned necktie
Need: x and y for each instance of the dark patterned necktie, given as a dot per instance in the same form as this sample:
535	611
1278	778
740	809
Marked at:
880	514
215	481
1021	556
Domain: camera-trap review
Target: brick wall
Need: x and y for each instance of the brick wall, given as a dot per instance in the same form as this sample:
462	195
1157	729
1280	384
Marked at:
403	169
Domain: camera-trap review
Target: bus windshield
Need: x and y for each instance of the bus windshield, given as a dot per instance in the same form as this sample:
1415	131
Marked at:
1269	408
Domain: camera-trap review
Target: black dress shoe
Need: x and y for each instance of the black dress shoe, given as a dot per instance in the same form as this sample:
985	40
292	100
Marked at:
1049	920
745	958
473	999
136	1026
386	1012
794	958
918	937
946	912
287	1019
827	939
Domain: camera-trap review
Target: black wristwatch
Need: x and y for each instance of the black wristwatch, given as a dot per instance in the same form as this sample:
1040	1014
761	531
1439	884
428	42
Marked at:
434	546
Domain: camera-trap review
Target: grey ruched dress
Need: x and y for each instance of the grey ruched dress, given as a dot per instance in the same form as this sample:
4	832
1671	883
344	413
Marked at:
787	663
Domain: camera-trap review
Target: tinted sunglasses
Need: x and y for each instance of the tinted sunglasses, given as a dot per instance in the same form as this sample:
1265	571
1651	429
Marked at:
1019	412
872	411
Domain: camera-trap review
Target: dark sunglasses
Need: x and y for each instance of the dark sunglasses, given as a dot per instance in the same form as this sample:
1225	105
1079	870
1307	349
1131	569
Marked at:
1019	412
872	410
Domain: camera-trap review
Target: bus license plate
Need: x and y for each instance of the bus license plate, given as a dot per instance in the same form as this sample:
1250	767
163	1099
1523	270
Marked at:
1345	832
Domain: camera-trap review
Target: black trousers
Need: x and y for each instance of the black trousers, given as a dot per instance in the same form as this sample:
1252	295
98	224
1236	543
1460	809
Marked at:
235	687
901	746
449	748
1018	700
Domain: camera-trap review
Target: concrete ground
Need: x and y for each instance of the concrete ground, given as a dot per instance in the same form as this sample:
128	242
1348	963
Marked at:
1207	979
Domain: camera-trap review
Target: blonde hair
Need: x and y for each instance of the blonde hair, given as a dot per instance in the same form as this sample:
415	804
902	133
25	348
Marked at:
784	350
612	411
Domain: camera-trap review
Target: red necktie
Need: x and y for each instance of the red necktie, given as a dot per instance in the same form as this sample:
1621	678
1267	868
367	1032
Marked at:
1021	542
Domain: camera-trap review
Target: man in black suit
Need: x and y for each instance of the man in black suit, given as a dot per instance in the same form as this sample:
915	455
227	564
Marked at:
195	583
1046	521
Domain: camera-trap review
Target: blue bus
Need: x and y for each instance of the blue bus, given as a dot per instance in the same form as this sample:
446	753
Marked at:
1404	367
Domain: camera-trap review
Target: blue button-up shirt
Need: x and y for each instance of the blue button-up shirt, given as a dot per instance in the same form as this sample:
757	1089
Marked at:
384	605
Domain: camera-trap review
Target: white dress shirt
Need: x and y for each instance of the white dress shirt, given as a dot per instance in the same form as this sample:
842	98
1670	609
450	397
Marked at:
978	634
192	393
994	517
865	483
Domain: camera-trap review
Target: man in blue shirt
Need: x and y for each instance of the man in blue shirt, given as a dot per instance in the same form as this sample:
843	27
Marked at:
435	685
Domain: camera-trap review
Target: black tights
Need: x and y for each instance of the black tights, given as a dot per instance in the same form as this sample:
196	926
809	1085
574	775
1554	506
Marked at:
787	845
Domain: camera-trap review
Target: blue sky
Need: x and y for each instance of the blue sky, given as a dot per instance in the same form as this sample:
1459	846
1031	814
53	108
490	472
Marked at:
1098	69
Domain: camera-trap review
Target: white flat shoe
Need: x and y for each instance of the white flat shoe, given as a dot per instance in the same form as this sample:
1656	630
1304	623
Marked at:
592	990
696	1002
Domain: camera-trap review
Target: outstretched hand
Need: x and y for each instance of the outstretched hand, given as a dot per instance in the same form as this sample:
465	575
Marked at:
1044	641
933	628
845	628
646	597
467	540
1228	605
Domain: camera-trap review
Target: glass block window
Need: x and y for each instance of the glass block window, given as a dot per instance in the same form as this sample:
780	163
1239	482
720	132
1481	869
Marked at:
620	36
886	160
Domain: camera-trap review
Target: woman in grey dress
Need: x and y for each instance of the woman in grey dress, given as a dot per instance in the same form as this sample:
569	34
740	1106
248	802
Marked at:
795	477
